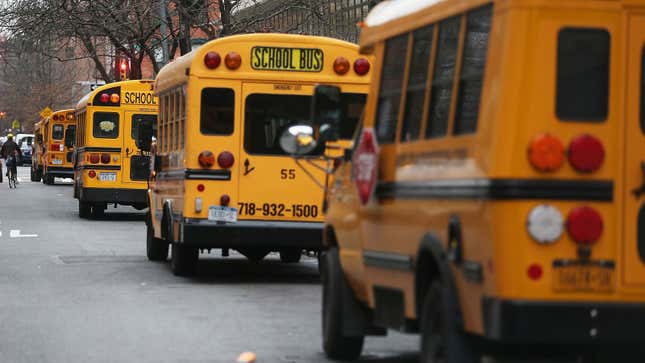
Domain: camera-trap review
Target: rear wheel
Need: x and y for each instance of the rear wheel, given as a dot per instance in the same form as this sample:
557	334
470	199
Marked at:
291	255
183	259
84	209
50	179
33	175
336	344
156	248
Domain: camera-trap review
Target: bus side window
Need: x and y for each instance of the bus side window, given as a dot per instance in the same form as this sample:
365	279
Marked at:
583	74
217	111
389	97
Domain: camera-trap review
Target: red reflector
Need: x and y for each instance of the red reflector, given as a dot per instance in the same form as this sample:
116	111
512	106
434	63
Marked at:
105	158
55	147
584	225
225	159
586	153
201	187
224	200
94	158
105	98
365	164
206	159
361	66
55	117
535	272
92	174
212	60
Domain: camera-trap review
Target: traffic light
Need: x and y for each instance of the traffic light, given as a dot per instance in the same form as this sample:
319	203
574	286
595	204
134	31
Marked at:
124	68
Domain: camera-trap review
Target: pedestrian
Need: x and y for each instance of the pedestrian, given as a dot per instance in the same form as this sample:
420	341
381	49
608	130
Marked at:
10	150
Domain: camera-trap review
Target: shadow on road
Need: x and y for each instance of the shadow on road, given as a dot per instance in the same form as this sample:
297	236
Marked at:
122	216
234	270
403	358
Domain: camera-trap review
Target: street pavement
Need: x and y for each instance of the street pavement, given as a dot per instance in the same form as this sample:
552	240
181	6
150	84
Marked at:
75	290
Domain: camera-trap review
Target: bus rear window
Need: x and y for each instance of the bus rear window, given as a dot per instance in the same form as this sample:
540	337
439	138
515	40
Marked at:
217	115
58	131
268	115
137	118
106	125
583	74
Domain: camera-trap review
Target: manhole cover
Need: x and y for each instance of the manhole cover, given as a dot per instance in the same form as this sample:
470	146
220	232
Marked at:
68	260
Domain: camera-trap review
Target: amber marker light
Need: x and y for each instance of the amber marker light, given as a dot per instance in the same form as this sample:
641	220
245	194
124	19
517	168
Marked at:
546	153
341	66
114	98
233	61
206	159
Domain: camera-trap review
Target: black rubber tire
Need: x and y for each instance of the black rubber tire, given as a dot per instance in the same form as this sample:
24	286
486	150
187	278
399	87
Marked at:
84	209
183	259
32	174
254	255
291	255
156	248
98	211
335	344
443	339
50	179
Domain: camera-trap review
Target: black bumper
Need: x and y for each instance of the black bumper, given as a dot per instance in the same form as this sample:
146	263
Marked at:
272	235
511	321
119	196
60	172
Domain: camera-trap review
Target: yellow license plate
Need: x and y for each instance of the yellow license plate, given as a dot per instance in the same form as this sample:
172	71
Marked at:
287	59
589	276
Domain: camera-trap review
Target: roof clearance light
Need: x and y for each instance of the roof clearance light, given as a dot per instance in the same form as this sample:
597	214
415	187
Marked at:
233	61
114	98
105	98
361	66
546	153
584	225
586	153
341	66
70	116
212	60
545	224
206	159
55	117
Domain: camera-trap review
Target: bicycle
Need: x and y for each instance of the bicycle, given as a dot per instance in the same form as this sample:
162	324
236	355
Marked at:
12	171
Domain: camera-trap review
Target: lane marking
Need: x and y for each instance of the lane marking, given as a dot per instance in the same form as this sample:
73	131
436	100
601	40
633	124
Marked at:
15	233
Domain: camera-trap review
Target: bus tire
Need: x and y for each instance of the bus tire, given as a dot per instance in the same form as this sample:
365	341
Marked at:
33	175
183	259
156	248
442	336
336	343
84	209
50	179
291	255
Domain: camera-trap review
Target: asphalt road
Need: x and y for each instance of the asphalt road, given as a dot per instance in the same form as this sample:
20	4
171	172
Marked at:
74	290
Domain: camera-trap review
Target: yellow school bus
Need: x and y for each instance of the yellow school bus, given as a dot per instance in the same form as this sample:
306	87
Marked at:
58	136
109	168
36	171
221	179
494	197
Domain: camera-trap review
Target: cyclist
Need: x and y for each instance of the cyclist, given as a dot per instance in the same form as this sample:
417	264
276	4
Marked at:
9	151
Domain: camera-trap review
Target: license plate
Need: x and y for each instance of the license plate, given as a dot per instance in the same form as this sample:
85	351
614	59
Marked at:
287	59
57	162
222	214
590	276
107	176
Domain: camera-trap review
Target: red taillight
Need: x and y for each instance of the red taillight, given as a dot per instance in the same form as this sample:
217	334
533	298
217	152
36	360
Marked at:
94	158
206	159
341	66
92	174
361	66
56	147
105	98
225	160
584	225
365	164
55	117
586	153
546	153
212	60
105	158
535	272
233	61
200	187
224	200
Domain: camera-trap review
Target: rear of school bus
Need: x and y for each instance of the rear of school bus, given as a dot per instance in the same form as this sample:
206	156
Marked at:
58	147
240	190
109	167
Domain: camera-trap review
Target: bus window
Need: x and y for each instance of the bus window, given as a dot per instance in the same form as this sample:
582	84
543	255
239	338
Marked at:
267	116
218	116
352	105
583	74
390	90
106	125
58	131
443	78
136	118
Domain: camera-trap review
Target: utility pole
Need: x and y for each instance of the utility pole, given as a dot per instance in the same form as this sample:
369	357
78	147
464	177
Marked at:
163	15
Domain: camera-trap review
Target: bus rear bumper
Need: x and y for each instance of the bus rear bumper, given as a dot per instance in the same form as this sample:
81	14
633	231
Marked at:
60	172
514	321
119	196
269	234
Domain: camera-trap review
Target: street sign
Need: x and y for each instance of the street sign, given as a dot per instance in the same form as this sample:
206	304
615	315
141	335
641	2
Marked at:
15	124
46	112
